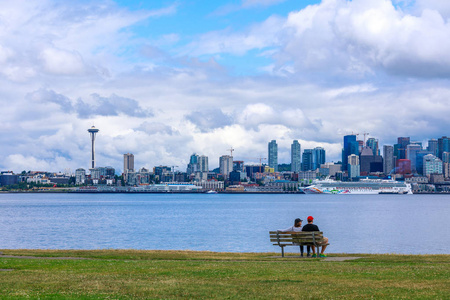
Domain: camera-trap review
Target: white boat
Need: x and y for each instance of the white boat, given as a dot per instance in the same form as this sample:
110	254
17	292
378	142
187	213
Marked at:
364	186
211	192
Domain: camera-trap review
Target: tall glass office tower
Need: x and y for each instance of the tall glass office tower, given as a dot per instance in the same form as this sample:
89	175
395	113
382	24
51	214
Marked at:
273	155
351	146
296	158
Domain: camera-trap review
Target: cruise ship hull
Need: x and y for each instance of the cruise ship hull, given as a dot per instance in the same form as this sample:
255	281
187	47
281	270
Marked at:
367	187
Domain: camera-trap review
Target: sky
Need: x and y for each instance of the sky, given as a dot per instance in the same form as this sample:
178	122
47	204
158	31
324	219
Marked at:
166	79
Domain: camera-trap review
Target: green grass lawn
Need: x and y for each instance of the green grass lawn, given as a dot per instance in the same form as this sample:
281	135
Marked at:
130	274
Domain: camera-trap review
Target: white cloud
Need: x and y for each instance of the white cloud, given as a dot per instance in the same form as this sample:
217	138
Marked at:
61	62
359	37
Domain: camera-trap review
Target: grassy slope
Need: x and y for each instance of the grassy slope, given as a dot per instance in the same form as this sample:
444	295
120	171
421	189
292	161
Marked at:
123	274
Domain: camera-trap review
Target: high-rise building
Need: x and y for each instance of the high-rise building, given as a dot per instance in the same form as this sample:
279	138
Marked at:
197	163
128	163
203	163
273	155
388	155
353	166
433	147
226	165
296	157
193	165
443	145
93	132
80	176
372	143
319	157
411	154
370	163
446	157
307	160
432	165
400	150
351	146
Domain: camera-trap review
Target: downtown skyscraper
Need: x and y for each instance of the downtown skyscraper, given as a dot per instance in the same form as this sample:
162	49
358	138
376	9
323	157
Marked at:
273	155
296	160
351	146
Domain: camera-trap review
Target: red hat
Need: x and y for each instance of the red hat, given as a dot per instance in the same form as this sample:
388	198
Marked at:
310	219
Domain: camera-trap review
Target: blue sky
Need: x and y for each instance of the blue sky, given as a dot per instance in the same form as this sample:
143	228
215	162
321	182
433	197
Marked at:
165	79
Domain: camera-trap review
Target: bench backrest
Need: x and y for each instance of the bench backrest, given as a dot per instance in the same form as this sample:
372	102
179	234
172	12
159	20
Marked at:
296	238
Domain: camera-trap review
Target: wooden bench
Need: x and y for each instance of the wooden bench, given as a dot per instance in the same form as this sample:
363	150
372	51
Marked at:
303	238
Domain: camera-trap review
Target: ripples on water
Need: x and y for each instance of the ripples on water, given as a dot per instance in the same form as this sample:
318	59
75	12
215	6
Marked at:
416	224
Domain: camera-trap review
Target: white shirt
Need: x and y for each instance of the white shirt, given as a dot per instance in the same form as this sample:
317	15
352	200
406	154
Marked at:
292	228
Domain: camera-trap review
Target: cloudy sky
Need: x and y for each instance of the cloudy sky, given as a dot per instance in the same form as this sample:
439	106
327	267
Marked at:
163	79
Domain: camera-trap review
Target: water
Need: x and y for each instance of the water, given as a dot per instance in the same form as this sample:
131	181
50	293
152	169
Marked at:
407	224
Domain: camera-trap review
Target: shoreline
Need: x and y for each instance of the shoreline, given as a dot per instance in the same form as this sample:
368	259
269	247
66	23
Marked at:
180	192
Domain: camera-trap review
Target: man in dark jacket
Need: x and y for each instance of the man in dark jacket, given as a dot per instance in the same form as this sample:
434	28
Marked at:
312	227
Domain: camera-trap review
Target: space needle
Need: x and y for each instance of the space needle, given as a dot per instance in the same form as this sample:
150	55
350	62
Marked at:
93	131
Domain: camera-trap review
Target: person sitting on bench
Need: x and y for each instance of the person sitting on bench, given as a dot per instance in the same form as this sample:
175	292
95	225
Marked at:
297	228
312	227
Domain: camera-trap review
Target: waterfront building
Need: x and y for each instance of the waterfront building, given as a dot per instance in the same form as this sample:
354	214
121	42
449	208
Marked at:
388	162
411	154
443	146
351	146
80	176
128	163
273	155
213	185
372	143
141	177
433	147
296	162
8	178
432	165
226	165
354	168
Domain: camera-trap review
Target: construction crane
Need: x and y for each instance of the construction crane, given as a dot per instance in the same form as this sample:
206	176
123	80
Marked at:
365	133
231	151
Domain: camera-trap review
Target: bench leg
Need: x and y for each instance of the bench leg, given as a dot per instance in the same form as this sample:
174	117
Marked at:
282	251
301	250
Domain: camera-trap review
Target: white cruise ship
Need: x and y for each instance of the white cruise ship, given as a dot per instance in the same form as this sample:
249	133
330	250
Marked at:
364	186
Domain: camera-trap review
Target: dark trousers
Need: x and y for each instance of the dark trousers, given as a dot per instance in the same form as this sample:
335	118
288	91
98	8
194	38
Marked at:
308	249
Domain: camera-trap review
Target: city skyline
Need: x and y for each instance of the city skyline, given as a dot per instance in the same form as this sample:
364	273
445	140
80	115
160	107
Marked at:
246	72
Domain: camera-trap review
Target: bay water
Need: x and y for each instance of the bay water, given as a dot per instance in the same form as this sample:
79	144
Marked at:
404	224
